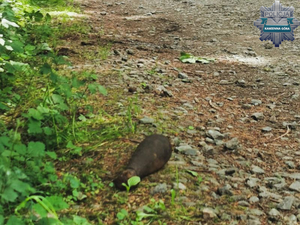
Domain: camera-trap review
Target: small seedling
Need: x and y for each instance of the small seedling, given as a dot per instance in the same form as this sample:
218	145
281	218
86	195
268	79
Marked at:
131	182
173	195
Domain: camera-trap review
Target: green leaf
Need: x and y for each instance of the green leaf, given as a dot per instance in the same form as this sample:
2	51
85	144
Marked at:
17	46
46	69
57	202
38	16
35	114
47	131
74	183
9	194
193	173
52	155
102	90
40	210
80	221
142	215
20	148
132	181
1	220
122	214
92	88
13	220
34	127
36	149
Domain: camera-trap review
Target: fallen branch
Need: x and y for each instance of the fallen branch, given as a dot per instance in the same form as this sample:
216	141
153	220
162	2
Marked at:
288	130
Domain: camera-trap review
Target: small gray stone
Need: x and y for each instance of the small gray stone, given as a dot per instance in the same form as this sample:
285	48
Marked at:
182	148
179	186
147	120
225	190
214	134
232	144
253	199
295	186
244	203
190	152
290	164
266	129
256	102
208	213
160	188
183	76
256	212
274	214
251	182
257	169
287	203
257	116
129	51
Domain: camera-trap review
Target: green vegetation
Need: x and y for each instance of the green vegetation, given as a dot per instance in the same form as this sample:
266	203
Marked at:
39	106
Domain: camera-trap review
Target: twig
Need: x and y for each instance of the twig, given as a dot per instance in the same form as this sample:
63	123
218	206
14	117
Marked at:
288	130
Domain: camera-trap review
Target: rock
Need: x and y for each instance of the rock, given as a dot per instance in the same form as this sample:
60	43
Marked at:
244	203
129	51
266	129
290	164
256	212
295	186
183	76
191	152
251	182
253	199
160	188
225	190
287	203
208	213
257	116
232	144
274	214
146	120
256	102
257	170
179	186
182	148
216	135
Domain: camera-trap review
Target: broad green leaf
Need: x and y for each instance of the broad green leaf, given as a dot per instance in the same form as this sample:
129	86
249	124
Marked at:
36	149
40	210
47	131
122	214
35	114
34	127
102	90
38	16
9	194
57	202
1	220
45	69
20	148
132	181
13	220
80	221
17	46
74	183
142	215
92	88
82	118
